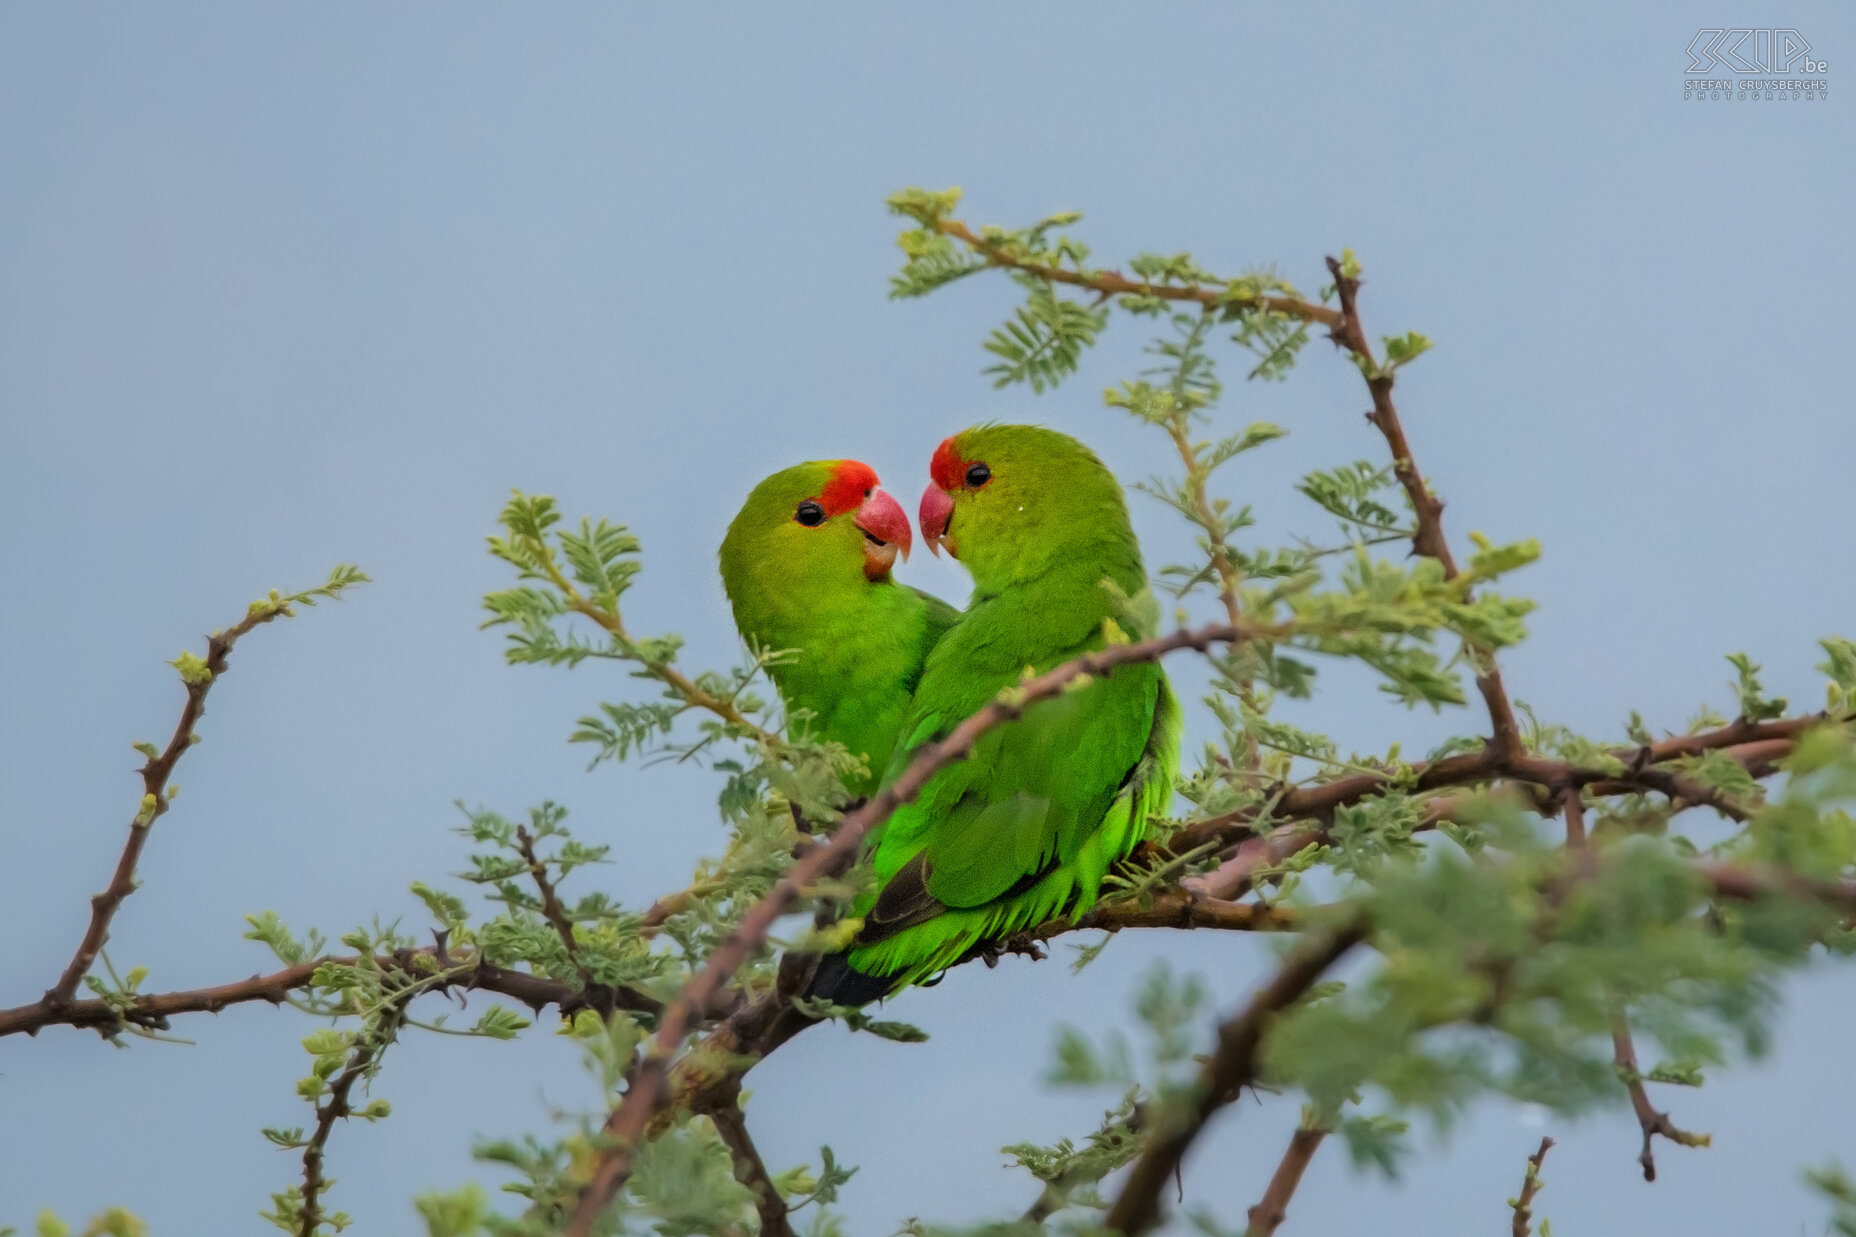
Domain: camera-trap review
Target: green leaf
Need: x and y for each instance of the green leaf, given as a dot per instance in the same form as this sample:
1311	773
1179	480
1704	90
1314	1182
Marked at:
193	670
926	206
327	1041
1043	341
1755	706
1403	348
500	1022
1351	493
1492	561
1376	1141
1840	664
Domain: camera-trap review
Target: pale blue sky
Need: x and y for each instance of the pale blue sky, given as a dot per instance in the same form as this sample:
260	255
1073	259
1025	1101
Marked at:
282	288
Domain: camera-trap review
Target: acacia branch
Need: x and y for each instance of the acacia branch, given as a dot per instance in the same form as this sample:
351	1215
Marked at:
1346	330
750	1170
1273	1208
370	1043
155	772
694	696
1175	906
1523	1203
660	911
1428	539
600	996
1108	283
1169	907
626	1125
1307	810
1233	1065
1649	1119
551	908
152	1011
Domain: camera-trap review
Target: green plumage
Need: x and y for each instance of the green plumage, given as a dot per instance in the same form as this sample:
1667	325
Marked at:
1025	830
859	644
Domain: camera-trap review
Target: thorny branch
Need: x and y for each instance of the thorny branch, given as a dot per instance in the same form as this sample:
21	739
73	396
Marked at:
1232	1066
1523	1203
1169	908
155	772
198	675
1345	329
551	908
370	1042
1429	539
1649	1119
1114	283
152	1011
1307	810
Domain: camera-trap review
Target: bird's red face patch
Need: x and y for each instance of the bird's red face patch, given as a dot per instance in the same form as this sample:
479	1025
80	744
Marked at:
850	481
947	468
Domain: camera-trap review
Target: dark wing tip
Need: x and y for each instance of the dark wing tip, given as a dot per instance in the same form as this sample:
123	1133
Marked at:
903	903
840	983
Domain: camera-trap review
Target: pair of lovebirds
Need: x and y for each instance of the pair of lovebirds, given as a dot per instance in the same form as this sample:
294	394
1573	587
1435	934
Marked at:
1025	829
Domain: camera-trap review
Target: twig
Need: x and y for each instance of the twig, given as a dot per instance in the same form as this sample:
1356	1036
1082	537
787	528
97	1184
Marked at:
655	916
1624	1051
1231	1067
693	695
155	772
1273	1208
1428	540
551	908
1113	283
370	1042
152	1011
1758	746
603	997
1649	1119
750	1170
1206	516
1523	1204
1169	908
627	1123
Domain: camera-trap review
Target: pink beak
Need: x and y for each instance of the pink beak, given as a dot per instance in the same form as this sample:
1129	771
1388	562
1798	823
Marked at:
886	530
937	510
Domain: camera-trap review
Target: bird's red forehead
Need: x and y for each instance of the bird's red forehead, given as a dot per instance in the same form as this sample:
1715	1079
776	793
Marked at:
849	482
947	468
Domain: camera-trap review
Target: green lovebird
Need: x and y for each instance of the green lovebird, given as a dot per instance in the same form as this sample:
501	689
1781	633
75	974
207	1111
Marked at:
806	565
1026	828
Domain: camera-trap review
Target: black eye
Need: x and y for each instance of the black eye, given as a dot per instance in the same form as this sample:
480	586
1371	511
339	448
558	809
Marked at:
810	514
978	475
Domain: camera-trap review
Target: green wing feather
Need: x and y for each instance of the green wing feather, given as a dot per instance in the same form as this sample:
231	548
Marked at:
1026	828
